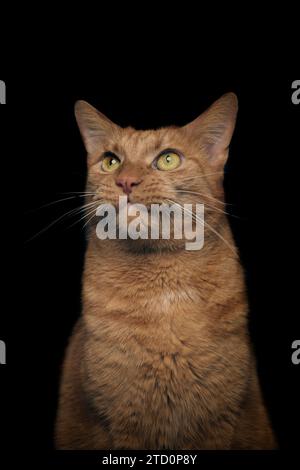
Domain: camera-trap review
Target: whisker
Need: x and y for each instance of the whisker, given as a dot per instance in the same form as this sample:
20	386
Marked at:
203	222
95	203
211	207
54	202
80	192
216	209
201	194
88	221
69	213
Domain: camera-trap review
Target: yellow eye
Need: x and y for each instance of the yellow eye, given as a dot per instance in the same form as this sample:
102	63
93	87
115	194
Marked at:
110	163
168	161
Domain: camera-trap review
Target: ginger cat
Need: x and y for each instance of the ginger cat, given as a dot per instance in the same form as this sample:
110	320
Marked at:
161	358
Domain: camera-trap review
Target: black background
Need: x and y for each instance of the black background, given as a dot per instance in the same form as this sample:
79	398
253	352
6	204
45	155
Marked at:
45	158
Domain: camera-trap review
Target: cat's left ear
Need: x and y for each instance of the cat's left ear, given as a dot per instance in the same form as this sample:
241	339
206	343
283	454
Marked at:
93	125
213	129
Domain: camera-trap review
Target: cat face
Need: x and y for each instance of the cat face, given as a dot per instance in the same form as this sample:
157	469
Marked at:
147	166
172	164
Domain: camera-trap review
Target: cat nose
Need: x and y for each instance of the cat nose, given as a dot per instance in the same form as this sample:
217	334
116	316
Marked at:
126	183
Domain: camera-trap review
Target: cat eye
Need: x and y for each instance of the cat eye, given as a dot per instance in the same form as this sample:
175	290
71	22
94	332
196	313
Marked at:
110	162
167	161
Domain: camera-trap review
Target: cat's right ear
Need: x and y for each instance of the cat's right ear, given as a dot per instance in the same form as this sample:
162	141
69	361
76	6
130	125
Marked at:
93	125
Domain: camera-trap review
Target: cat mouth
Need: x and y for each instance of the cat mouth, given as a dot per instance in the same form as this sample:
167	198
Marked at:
135	202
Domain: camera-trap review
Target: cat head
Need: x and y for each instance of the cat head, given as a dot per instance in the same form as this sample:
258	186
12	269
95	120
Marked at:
178	164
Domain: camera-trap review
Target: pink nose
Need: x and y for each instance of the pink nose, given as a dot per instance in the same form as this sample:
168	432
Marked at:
126	183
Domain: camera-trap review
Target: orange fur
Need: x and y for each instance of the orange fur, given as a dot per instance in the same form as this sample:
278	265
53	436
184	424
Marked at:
161	357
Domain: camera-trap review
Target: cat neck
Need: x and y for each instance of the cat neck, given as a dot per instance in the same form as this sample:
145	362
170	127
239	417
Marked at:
129	258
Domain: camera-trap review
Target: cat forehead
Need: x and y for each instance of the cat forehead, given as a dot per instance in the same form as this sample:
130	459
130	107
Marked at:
134	142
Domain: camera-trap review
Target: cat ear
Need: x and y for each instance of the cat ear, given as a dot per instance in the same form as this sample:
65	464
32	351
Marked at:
213	129
93	125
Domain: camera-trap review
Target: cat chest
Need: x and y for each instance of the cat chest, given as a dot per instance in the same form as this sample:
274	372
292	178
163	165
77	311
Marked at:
141	389
152	299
